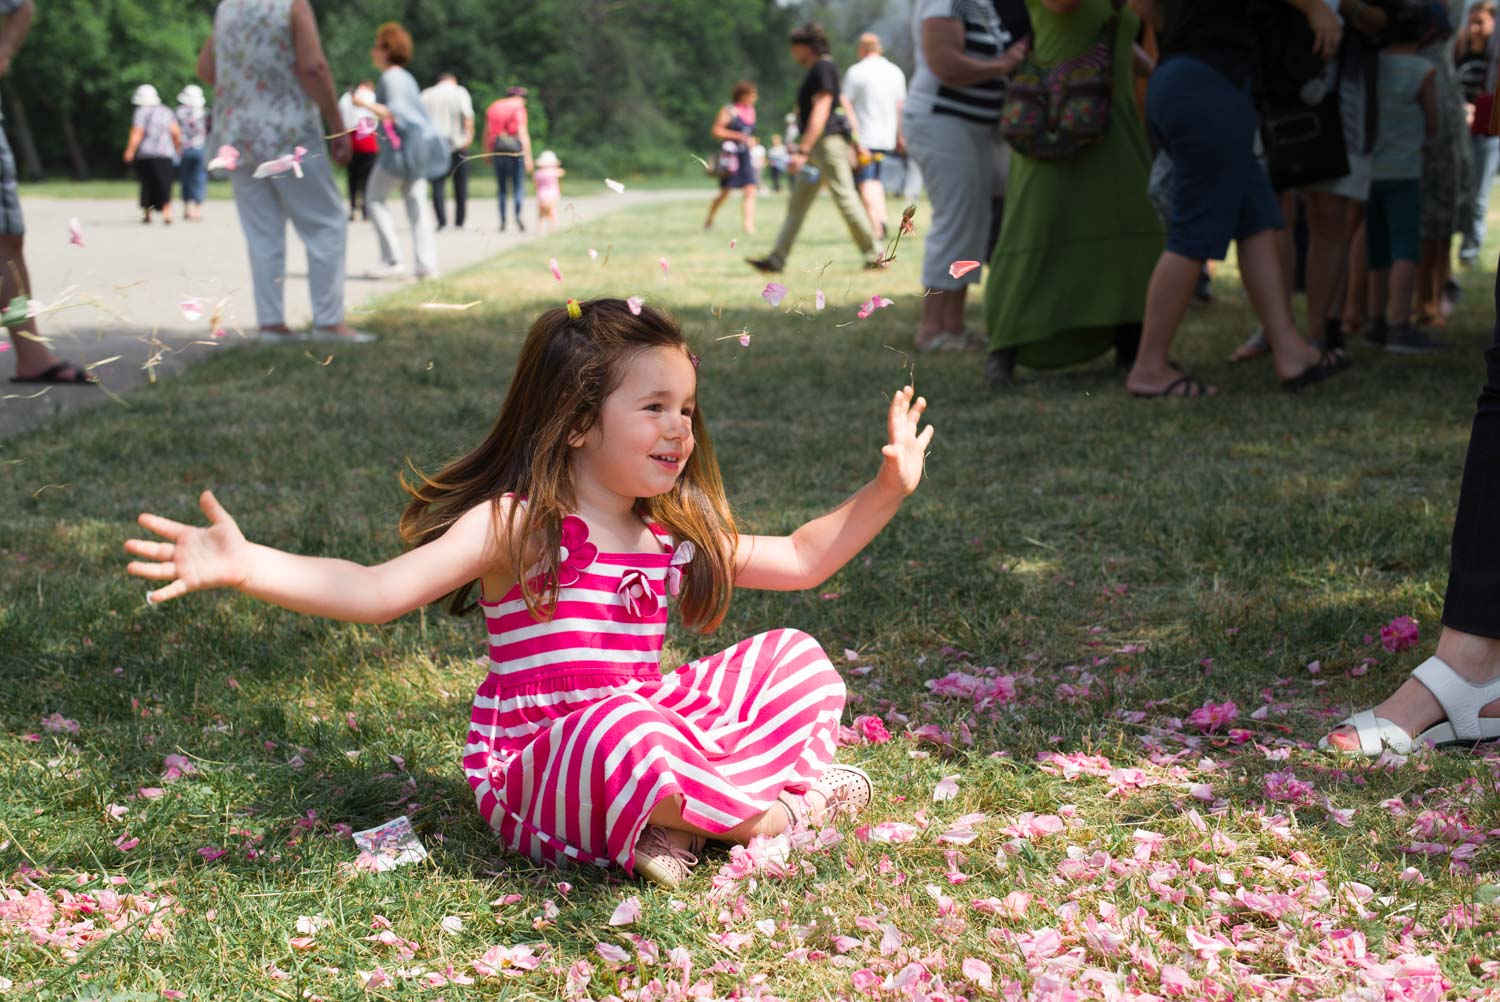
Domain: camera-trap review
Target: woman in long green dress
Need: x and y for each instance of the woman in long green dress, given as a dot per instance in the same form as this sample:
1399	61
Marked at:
1068	277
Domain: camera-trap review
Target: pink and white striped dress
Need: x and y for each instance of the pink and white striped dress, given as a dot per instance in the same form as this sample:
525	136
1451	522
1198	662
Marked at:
576	735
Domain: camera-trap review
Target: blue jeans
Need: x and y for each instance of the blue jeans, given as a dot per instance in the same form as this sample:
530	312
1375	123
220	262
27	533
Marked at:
510	172
191	174
1486	161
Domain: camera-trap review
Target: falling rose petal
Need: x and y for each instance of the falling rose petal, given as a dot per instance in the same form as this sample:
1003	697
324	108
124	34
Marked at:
75	232
871	305
666	269
635	303
290	162
744	340
732	242
192	309
228	158
958	269
773	293
946	789
556	271
819	300
626	911
593	254
614	186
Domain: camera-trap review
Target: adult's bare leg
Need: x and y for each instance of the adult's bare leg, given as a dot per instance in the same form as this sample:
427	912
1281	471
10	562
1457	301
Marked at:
33	357
1167	298
1261	271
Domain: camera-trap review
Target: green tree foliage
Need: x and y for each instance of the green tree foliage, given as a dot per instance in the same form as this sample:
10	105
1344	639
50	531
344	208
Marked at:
615	85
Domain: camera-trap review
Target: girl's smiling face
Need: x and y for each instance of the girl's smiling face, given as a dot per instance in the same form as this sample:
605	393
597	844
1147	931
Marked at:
641	442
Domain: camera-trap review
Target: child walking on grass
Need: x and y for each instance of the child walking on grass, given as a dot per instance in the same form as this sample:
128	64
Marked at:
594	499
1393	224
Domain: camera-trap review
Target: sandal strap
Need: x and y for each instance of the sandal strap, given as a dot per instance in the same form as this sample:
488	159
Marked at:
1460	699
795	805
1376	734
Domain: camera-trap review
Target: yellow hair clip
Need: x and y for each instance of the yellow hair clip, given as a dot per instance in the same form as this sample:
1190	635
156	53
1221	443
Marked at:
574	310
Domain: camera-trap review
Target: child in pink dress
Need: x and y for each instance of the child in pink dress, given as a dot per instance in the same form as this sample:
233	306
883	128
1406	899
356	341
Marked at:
548	180
594	501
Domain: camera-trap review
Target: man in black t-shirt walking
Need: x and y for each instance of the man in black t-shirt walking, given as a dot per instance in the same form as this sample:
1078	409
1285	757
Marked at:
821	156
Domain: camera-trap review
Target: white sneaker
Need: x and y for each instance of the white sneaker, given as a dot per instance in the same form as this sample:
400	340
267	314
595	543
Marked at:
384	271
354	337
264	336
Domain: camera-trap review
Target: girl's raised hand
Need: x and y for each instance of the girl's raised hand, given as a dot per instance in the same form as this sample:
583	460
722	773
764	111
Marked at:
905	453
192	558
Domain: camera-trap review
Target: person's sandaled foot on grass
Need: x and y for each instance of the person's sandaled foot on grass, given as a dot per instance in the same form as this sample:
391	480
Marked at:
1330	363
59	373
1253	346
1169	381
1451	698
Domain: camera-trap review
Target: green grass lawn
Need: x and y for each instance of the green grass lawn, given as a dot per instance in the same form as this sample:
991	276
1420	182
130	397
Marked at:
481	184
1112	563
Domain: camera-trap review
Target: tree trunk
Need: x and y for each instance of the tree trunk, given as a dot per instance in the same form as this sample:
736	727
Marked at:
75	151
27	160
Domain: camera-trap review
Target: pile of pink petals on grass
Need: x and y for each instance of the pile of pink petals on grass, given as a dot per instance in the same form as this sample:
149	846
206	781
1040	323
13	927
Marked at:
63	914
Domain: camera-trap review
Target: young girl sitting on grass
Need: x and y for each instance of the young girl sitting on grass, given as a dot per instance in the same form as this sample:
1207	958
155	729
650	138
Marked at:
595	496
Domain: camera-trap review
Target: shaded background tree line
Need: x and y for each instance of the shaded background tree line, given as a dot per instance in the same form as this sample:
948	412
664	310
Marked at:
616	86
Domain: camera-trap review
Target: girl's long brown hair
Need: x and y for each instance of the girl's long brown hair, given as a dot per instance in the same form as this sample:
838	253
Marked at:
566	370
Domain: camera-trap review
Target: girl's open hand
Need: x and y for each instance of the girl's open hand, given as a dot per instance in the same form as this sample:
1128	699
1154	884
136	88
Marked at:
192	558
905	453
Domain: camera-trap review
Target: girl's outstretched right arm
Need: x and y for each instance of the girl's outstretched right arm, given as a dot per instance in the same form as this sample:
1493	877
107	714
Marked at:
197	558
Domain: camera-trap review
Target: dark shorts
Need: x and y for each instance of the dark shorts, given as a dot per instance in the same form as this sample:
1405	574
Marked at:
871	170
1206	125
1393	222
11	223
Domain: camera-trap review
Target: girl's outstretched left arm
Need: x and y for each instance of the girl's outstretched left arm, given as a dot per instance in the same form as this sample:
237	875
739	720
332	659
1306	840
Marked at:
813	553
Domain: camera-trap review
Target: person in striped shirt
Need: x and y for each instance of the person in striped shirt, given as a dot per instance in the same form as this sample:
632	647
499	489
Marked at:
593	501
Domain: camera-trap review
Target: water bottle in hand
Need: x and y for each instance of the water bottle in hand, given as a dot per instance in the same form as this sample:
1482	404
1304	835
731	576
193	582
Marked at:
809	175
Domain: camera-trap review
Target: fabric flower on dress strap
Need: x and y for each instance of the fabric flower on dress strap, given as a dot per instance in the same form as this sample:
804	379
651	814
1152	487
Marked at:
576	552
681	557
635	591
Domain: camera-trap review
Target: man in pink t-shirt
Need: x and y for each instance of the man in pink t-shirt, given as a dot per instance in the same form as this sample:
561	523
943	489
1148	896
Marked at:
507	138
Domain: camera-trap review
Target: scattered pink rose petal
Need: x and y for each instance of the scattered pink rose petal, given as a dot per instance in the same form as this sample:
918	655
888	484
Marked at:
819	300
733	241
75	232
958	269
192	309
212	852
666	269
451	923
125	843
611	952
365	127
1399	634
978	971
556	271
614	186
744	340
872	304
635	303
626	911
946	789
773	293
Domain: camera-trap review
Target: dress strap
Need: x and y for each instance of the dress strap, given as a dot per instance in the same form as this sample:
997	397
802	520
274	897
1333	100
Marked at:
662	536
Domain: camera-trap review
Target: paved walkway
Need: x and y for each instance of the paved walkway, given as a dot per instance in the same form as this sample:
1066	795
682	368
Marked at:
117	296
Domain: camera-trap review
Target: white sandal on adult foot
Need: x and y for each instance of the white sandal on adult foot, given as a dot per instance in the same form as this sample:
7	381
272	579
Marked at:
660	861
1460	699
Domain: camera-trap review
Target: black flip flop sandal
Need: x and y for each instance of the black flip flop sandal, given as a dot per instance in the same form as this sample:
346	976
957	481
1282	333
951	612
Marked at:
1329	364
53	376
1190	388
